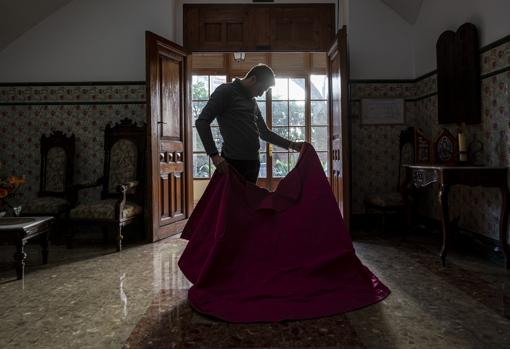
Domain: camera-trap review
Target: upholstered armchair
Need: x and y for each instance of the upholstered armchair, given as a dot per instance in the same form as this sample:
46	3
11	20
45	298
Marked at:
122	194
55	196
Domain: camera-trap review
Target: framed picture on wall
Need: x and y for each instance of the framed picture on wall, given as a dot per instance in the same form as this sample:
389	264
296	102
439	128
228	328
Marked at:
382	111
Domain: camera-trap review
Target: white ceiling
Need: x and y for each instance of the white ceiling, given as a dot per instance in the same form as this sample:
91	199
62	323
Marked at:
18	16
407	9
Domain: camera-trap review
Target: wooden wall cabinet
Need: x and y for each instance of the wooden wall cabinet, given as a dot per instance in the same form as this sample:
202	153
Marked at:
458	76
246	27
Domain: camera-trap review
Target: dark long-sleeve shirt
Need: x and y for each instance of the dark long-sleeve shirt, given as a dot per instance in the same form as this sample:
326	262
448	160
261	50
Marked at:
240	122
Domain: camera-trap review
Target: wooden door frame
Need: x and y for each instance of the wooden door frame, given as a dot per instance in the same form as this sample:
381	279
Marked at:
153	42
339	47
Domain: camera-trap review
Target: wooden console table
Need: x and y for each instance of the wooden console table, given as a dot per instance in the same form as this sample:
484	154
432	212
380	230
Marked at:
423	175
18	230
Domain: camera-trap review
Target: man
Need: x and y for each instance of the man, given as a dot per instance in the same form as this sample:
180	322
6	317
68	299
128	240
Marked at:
240	122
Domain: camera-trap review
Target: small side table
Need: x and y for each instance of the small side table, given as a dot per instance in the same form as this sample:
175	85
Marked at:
18	230
447	176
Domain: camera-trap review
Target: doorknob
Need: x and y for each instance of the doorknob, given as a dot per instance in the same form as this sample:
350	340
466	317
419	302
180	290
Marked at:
161	122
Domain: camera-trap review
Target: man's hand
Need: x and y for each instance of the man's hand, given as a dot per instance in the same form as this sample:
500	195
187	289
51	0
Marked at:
220	163
297	146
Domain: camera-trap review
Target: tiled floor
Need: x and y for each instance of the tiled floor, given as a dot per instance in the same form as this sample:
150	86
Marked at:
92	297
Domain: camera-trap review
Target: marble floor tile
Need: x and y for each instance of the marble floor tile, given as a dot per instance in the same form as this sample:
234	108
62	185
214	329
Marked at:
183	327
92	297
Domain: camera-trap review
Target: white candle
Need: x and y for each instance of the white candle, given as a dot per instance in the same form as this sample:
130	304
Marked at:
462	145
462	142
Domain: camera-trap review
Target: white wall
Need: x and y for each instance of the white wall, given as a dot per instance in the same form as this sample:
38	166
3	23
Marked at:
380	42
88	40
343	13
492	17
384	46
16	17
103	40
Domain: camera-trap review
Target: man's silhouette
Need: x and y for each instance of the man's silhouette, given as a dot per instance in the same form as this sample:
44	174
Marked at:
240	122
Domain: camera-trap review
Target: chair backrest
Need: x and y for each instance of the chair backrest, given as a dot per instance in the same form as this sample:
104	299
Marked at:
124	160
406	137
57	164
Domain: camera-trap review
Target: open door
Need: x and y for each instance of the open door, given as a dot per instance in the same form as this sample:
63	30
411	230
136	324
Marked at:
169	153
338	72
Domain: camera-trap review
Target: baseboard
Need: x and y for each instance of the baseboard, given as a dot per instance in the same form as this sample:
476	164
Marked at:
481	245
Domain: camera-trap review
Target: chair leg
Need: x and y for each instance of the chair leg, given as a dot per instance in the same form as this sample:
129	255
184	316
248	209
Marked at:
119	237
55	230
59	231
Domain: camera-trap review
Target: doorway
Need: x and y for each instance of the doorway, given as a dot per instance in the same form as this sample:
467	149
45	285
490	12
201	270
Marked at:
295	108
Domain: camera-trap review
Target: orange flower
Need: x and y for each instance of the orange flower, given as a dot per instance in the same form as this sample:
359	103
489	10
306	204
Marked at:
16	180
3	193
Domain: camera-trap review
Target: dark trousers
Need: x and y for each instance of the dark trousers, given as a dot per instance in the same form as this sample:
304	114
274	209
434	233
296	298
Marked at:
249	169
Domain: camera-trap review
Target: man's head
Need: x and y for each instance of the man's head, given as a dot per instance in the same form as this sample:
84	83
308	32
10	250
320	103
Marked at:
259	79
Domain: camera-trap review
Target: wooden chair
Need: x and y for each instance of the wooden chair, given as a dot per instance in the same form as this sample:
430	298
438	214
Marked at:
390	202
55	196
122	194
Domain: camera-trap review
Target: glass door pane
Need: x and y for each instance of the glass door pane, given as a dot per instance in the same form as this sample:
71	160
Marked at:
297	113
288	119
319	128
202	87
280	164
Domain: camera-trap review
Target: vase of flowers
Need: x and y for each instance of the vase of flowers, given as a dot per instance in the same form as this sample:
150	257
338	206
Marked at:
9	187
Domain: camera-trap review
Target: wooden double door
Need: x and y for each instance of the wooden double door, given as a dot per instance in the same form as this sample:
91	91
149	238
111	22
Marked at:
169	136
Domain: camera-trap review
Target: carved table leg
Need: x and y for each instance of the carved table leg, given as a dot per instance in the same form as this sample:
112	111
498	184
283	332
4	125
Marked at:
44	245
404	191
503	225
119	237
445	220
19	258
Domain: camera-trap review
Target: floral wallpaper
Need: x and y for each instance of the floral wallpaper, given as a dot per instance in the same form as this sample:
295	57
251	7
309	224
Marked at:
26	112
72	93
496	58
375	148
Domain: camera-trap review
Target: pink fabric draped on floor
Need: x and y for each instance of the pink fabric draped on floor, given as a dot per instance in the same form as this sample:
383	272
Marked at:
255	255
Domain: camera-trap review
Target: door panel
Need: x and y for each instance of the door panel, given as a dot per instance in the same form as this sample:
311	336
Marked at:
171	170
171	97
258	27
169	140
338	67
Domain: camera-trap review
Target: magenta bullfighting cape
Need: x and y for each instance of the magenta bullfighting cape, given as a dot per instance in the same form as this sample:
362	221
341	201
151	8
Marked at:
255	255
